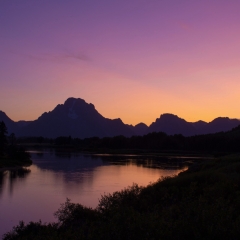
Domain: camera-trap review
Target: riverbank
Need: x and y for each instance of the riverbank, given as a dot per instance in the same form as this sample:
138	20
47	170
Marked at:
201	203
15	160
137	151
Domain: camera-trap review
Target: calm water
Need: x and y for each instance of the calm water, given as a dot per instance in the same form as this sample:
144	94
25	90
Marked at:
38	192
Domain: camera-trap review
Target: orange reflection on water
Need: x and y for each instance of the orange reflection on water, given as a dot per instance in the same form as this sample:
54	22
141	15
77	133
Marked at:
84	179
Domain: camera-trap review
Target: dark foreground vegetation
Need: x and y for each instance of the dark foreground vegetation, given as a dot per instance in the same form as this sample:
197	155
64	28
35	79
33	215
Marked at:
11	155
222	142
201	203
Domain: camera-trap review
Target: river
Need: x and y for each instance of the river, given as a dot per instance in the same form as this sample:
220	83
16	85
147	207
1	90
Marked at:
37	192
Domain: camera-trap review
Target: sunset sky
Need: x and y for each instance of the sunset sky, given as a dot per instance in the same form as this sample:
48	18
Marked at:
133	59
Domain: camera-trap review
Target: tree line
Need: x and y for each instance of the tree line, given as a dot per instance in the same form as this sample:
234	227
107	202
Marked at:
221	141
11	154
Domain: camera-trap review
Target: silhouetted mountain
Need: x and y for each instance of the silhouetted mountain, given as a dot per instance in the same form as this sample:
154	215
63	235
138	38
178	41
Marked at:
172	124
221	124
23	123
11	125
199	125
140	129
77	118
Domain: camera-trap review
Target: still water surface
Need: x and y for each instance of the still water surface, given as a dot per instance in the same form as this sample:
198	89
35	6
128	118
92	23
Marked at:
38	192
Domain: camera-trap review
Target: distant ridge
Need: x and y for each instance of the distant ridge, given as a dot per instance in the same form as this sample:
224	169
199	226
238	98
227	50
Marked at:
77	118
172	124
11	125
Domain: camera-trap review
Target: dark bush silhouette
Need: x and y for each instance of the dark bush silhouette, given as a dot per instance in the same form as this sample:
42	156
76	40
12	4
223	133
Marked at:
3	137
11	154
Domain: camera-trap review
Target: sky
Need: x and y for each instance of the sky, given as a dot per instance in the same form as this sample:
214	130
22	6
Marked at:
132	59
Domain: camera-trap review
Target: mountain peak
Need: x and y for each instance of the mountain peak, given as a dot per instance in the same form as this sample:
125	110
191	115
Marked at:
141	124
218	119
171	124
168	116
71	102
2	113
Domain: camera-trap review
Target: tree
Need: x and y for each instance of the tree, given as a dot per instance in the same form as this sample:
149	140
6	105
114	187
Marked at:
12	139
3	137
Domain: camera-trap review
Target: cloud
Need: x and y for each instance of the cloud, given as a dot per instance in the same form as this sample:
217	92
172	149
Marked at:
80	56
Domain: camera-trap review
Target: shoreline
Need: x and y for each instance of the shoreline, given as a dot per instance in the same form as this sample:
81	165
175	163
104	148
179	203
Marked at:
3	169
201	197
123	151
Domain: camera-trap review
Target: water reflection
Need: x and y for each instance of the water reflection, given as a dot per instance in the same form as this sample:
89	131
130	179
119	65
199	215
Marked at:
75	170
146	161
10	178
88	176
88	161
37	193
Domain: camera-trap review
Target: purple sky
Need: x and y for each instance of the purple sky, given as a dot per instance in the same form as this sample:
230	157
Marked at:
132	59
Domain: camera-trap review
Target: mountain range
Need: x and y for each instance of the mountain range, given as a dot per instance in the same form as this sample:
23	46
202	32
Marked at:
76	118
